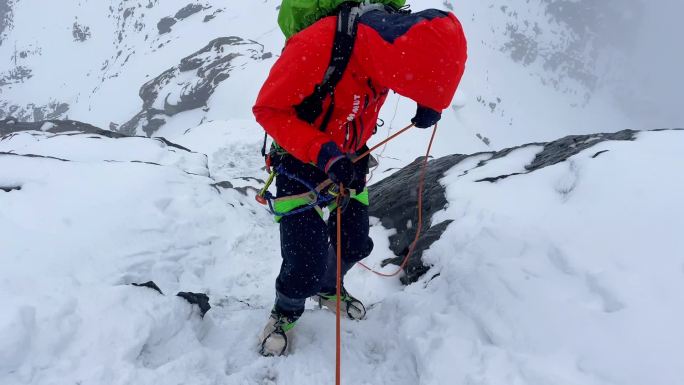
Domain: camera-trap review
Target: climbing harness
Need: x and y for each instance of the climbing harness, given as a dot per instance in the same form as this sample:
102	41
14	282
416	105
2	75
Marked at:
292	205
318	196
327	193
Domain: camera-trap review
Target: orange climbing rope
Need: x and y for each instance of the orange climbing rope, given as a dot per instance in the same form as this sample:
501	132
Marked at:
338	358
340	197
419	227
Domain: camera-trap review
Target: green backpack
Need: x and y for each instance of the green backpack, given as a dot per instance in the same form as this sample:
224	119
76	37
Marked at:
295	15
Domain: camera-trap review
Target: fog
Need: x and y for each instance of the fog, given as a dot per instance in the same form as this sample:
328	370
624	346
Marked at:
654	71
635	51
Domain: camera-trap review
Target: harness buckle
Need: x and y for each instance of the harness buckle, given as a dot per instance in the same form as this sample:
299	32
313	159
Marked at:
343	198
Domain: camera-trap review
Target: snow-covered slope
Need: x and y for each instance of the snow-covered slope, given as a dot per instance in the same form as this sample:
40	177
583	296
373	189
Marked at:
571	274
567	274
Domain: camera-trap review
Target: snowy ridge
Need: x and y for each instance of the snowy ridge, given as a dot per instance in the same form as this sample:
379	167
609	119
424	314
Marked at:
391	206
529	288
190	85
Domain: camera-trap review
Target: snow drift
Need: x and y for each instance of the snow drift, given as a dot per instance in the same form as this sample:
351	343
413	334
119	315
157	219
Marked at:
566	274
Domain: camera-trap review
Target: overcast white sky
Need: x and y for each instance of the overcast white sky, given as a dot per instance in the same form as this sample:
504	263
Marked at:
655	67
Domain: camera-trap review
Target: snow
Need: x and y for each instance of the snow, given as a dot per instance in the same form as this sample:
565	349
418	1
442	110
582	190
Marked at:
572	274
127	149
569	274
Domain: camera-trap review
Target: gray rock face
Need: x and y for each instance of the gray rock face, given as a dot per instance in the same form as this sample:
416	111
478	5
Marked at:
211	17
16	75
32	112
396	206
165	24
188	11
5	18
10	188
167	95
80	32
9	126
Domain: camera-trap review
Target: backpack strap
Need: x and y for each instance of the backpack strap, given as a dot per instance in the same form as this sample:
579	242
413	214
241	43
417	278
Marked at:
311	108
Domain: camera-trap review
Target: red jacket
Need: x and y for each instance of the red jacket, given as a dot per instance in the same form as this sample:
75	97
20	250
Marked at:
420	56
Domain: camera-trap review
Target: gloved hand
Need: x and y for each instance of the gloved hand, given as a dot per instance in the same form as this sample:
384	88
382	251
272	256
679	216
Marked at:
341	170
426	117
337	165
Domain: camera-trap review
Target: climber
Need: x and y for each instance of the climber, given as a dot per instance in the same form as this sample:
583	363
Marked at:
318	125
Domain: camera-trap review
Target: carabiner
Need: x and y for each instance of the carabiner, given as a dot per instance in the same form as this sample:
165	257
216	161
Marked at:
261	196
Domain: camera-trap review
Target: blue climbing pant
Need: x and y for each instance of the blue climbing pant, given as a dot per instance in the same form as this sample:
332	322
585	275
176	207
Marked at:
308	243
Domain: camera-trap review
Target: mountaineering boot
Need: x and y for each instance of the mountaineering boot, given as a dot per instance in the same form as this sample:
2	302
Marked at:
277	335
349	306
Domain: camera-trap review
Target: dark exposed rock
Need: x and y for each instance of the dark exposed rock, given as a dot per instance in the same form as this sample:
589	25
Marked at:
164	25
188	11
9	126
149	285
224	185
494	179
208	18
10	188
5	18
16	75
560	150
31	112
171	144
128	12
395	204
80	32
208	67
199	299
33	156
599	153
51	111
415	268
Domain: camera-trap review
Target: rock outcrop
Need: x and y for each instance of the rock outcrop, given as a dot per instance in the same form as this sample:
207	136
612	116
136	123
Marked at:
395	205
190	84
9	126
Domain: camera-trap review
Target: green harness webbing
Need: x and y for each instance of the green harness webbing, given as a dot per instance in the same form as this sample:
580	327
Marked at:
287	204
